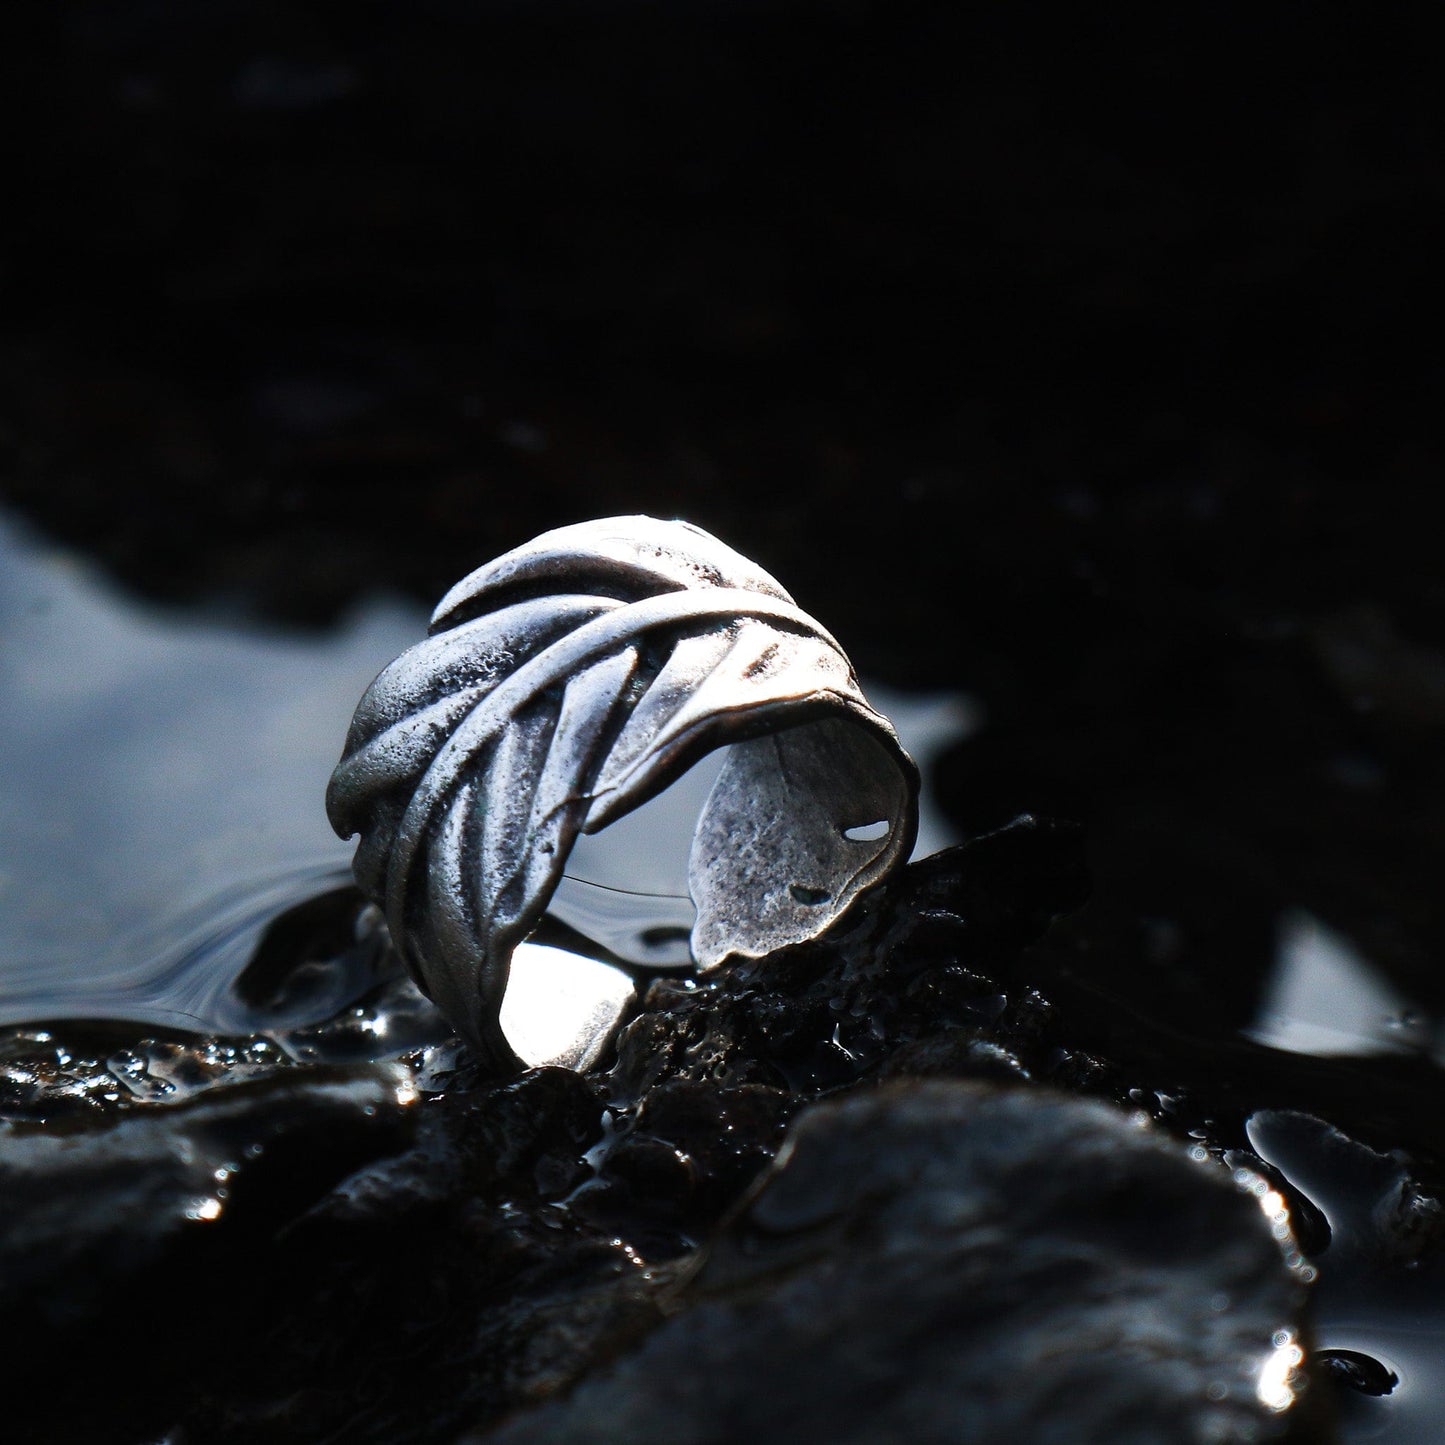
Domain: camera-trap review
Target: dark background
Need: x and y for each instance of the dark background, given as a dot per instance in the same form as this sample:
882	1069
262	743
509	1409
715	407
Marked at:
1086	359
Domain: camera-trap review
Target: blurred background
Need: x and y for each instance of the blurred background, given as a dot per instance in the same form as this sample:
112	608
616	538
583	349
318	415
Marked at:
1082	363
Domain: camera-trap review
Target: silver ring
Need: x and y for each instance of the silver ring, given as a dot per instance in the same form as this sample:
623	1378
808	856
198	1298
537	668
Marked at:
565	684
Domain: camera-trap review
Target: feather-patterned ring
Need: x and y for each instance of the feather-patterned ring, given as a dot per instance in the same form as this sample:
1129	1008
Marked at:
565	684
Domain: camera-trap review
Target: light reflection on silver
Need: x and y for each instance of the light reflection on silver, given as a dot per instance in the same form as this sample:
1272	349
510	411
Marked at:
561	1008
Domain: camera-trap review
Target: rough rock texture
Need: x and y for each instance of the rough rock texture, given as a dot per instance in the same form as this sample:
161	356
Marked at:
941	1261
140	1248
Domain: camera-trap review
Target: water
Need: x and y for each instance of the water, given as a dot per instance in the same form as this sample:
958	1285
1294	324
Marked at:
1323	997
1388	1316
161	786
1386	1324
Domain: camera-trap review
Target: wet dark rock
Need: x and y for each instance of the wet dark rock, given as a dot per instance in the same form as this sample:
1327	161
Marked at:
441	1284
958	1054
1409	1220
133	1223
935	1261
236	1156
93	1070
684	1155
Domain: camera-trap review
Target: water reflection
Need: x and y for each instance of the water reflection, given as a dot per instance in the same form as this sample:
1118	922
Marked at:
1323	997
1386	1318
1279	1375
161	787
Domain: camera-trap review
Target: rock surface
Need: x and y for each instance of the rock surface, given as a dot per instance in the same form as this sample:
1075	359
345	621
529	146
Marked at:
941	1261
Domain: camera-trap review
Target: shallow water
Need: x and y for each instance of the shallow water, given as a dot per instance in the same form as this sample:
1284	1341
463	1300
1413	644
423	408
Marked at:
162	778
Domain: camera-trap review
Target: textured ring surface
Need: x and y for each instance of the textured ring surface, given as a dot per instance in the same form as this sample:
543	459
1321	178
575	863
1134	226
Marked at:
566	683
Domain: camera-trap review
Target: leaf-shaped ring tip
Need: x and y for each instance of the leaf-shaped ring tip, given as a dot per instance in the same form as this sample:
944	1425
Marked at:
566	683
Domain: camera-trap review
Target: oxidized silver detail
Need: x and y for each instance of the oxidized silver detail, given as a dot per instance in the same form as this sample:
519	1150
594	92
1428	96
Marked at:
566	683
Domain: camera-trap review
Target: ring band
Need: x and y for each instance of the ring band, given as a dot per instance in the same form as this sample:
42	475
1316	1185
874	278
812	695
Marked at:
564	684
